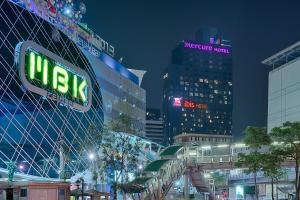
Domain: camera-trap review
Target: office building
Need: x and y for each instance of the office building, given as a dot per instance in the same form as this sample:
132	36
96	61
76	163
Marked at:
284	86
154	125
197	90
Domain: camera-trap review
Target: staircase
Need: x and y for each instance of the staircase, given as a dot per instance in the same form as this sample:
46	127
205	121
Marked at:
199	182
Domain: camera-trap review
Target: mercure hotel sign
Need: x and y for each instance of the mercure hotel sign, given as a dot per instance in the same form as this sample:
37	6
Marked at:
207	47
47	74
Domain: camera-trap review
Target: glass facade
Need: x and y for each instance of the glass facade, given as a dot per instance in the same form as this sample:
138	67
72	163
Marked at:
197	94
120	95
34	129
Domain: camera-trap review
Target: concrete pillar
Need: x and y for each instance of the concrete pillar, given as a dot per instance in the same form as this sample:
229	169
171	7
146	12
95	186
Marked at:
159	188
61	159
186	185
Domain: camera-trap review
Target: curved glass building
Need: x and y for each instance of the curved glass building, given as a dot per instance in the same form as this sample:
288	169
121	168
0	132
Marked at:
37	127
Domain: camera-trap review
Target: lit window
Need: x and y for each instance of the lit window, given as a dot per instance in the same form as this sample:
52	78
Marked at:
216	82
206	80
201	80
165	76
210	121
216	91
230	83
191	94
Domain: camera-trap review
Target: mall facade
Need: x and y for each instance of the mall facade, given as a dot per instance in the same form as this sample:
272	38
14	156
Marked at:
56	82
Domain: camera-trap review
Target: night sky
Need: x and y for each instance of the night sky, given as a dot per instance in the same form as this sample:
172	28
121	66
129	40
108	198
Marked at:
145	32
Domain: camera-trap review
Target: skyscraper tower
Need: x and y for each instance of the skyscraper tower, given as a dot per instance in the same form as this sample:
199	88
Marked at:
197	90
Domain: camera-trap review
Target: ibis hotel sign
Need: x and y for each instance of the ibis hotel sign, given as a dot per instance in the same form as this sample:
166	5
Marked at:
47	74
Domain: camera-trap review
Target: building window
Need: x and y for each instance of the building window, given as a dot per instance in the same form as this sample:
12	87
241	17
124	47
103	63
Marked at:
23	192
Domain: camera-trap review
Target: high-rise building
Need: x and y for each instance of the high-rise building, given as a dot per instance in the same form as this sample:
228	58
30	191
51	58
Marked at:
284	86
154	125
197	90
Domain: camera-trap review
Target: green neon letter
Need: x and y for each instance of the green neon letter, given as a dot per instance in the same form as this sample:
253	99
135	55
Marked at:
39	63
75	91
81	89
60	79
45	72
32	65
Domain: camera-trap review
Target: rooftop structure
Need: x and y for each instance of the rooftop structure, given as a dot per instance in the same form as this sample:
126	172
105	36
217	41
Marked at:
284	56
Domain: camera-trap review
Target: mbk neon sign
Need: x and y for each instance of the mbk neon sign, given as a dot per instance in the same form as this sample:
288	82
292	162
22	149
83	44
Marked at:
47	74
56	77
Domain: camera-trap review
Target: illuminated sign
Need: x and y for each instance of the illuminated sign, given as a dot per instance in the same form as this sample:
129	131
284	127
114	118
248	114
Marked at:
190	104
177	102
206	47
47	74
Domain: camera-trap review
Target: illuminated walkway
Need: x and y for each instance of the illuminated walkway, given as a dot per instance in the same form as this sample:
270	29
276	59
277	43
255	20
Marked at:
188	161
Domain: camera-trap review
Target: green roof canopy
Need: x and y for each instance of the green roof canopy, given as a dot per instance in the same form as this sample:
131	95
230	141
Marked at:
154	166
171	150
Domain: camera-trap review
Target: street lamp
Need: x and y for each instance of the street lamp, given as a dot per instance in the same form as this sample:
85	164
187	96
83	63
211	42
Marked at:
91	156
140	167
81	180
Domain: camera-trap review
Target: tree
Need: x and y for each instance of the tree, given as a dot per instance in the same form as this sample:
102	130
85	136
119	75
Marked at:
115	152
256	137
288	136
119	157
271	167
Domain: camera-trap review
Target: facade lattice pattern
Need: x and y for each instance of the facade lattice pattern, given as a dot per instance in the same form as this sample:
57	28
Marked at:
32	127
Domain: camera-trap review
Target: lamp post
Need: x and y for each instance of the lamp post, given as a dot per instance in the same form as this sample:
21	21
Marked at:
81	180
